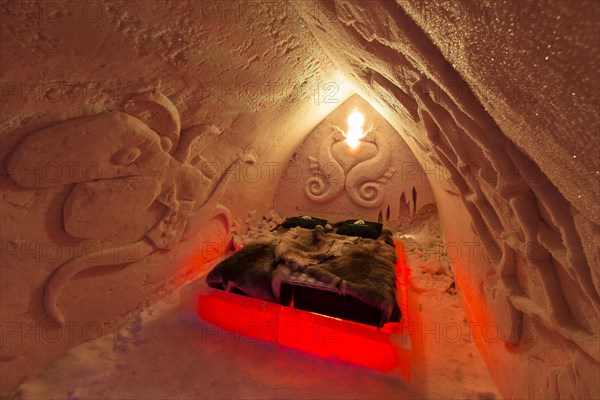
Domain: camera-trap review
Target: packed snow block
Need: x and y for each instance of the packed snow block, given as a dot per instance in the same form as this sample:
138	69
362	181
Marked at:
231	312
347	341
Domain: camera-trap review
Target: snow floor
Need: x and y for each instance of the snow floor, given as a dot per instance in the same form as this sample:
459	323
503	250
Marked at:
163	353
160	355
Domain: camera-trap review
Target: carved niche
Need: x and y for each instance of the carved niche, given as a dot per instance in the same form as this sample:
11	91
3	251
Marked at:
362	172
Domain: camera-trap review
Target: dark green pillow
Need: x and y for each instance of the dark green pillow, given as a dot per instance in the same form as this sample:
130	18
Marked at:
306	222
364	229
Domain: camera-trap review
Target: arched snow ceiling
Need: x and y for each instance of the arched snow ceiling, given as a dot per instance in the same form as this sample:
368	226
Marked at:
498	101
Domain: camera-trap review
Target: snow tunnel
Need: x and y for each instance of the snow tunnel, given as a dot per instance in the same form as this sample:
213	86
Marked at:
146	142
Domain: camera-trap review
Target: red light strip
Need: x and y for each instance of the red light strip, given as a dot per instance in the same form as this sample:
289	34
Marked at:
385	349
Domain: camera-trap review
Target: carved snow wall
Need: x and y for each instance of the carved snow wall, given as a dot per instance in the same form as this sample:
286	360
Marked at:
138	157
534	273
69	78
379	179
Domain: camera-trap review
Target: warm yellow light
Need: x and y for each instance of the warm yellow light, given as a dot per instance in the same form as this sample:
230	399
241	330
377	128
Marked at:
355	129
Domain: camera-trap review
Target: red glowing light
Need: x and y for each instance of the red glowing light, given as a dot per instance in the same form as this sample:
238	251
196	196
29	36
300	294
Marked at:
385	349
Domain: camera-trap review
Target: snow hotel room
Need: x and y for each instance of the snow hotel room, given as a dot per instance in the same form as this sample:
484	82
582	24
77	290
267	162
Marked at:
300	199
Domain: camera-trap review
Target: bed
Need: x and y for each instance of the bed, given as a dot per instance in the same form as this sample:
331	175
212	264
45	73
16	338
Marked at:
345	270
316	288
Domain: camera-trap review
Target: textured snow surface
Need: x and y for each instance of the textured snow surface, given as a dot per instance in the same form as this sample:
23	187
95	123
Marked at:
427	254
510	142
535	67
174	358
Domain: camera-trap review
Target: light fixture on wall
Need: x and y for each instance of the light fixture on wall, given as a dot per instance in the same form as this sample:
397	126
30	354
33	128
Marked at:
355	132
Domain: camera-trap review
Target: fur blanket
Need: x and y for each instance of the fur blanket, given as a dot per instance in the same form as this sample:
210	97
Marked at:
363	268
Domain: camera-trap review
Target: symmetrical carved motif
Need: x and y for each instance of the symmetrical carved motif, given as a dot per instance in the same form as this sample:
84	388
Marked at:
119	163
363	172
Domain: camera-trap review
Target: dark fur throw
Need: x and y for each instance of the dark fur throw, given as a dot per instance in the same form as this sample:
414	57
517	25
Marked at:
349	265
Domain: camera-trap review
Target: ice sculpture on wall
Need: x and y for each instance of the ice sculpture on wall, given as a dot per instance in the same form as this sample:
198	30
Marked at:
352	164
329	176
336	168
120	163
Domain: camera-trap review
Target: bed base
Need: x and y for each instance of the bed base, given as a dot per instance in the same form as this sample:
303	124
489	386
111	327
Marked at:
301	324
320	300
